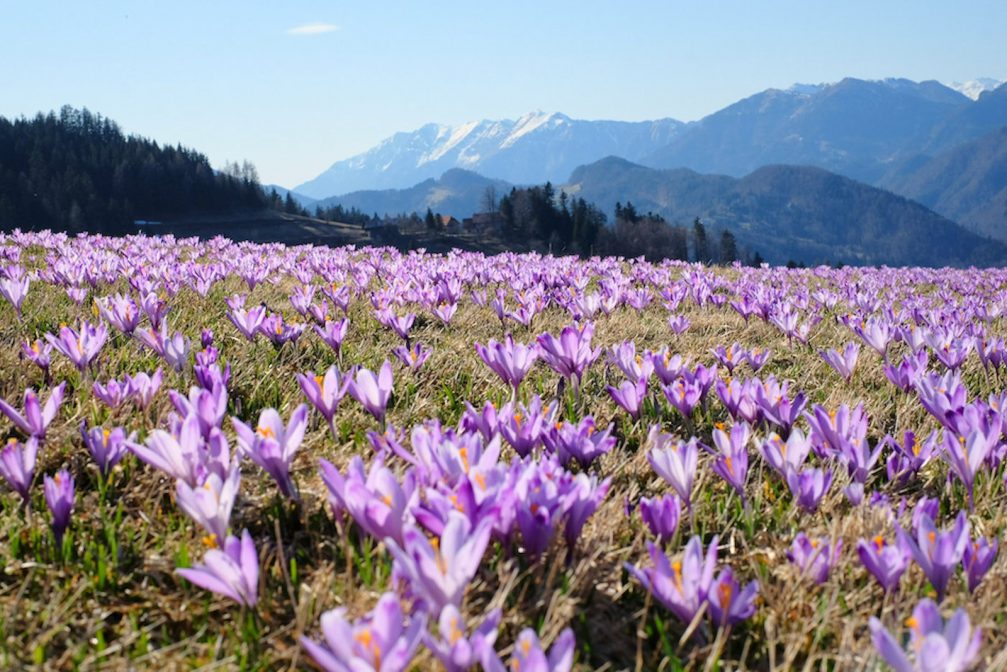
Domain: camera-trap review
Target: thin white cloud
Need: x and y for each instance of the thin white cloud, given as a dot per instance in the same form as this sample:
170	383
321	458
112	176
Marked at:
313	29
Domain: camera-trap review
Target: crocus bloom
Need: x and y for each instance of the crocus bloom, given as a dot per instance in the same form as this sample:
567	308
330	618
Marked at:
36	416
791	454
413	357
949	647
325	392
379	642
808	486
524	427
674	461
509	360
209	406
17	465
732	461
885	561
440	572
965	455
112	394
333	333
120	311
630	396
59	499
39	354
14	289
580	441
684	395
107	446
80	347
570	355
938	552
456	651
661	515
232	572
681	586
814	557
978	558
273	446
731	604
210	503
373	391
844	362
376	500
142	387
247	322
177	453
528	655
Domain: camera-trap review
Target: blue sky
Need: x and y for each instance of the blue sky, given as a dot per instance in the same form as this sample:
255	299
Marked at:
237	81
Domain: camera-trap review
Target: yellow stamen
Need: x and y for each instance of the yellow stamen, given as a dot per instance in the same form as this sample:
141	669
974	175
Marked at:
210	541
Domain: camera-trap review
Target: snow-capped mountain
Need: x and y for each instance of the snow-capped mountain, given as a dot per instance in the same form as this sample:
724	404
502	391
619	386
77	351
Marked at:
532	149
974	87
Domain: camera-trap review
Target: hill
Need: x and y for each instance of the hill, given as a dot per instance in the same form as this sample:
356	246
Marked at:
793	212
967	183
77	171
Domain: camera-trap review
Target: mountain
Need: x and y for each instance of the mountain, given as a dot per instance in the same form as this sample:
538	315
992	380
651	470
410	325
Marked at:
985	115
853	127
536	148
967	183
974	87
458	192
792	212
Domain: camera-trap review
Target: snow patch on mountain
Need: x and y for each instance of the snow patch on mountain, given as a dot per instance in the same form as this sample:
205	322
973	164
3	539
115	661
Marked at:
974	87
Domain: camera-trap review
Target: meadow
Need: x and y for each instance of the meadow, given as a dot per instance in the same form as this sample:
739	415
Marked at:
229	455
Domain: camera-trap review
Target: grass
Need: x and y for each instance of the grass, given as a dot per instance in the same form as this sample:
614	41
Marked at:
108	598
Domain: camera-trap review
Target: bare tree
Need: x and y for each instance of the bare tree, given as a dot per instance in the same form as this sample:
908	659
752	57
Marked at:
489	199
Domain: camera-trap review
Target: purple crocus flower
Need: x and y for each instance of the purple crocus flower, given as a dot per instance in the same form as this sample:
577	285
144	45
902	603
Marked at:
59	498
730	357
738	397
107	446
81	347
814	557
630	396
17	465
585	495
668	367
333	333
373	391
36	417
681	586
757	358
177	454
661	514
440	572
456	651
965	456
209	406
791	454
949	647
413	357
885	561
775	404
907	374
679	324
112	394
808	486
120	311
509	360
279	331
731	604
980	553
376	500
674	461
232	572
910	456
142	387
938	552
14	289
570	355
524	427
326	391
684	395
174	349
39	354
210	503
247	321
528	655
272	446
580	441
844	362
731	463
379	642
632	365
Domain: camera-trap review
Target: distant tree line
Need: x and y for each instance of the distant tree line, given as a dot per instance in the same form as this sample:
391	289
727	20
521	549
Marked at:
565	225
77	171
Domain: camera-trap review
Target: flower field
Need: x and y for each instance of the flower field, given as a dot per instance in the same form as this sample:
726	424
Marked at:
239	456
